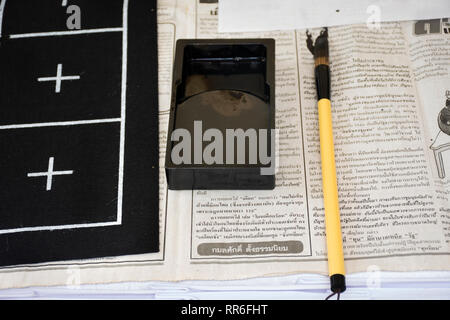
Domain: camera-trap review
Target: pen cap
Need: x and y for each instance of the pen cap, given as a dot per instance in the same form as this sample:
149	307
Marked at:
337	282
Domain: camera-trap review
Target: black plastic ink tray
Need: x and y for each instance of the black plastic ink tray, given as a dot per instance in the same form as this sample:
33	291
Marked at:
221	85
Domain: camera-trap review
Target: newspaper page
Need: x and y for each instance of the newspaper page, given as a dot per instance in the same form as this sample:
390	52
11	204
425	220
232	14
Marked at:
429	51
389	205
392	212
394	205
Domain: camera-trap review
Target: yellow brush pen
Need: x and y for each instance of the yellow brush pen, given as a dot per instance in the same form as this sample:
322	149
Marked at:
336	267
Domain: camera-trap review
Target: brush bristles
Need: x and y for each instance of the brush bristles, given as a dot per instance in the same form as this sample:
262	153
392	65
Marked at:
321	49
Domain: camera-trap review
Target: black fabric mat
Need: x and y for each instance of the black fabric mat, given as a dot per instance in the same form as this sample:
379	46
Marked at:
79	161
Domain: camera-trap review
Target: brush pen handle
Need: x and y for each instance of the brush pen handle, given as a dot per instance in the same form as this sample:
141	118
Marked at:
336	267
330	191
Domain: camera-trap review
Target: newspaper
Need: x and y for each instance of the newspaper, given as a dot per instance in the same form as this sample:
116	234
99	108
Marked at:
388	87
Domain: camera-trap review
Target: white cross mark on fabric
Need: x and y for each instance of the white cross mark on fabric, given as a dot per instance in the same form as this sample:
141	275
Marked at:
50	173
59	78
